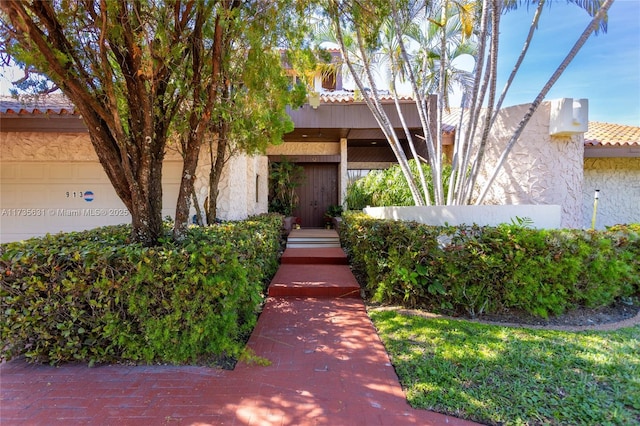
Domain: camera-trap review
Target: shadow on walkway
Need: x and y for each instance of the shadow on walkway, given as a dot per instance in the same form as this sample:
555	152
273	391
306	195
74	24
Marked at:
328	367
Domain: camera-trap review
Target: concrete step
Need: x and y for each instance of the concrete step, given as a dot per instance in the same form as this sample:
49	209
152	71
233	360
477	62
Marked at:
310	238
333	281
313	244
314	256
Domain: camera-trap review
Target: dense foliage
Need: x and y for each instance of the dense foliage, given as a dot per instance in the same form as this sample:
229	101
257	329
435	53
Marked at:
284	178
94	296
474	270
146	76
388	187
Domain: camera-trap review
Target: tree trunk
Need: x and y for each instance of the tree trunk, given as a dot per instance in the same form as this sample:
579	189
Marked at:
215	174
183	204
593	25
137	183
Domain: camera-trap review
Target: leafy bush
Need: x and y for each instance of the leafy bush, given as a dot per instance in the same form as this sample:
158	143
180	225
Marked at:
284	178
388	187
93	296
478	270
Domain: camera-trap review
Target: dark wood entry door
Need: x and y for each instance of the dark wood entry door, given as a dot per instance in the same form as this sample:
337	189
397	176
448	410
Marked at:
317	193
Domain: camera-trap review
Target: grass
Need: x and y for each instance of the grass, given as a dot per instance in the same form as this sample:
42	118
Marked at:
515	376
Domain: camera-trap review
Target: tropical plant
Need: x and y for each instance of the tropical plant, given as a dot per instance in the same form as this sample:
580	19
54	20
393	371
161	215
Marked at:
388	187
419	40
284	177
332	212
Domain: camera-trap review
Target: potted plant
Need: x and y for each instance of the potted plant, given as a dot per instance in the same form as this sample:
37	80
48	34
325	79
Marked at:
284	178
332	215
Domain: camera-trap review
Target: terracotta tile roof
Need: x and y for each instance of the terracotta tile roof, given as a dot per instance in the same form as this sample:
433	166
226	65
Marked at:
347	96
611	135
46	105
599	134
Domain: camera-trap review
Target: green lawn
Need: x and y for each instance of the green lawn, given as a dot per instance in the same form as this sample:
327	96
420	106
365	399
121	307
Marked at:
513	376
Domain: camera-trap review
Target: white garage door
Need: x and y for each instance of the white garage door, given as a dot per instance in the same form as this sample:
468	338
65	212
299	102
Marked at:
40	198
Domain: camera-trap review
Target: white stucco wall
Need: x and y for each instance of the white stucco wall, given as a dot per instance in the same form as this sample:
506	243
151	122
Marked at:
237	199
237	190
540	169
618	180
38	169
540	216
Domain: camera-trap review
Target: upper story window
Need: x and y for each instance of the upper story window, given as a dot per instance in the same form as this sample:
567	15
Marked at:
329	81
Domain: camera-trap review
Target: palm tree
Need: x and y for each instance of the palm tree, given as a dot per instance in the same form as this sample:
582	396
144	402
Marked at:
419	41
598	10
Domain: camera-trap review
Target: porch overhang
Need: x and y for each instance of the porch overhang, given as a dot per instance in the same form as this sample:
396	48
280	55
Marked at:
352	121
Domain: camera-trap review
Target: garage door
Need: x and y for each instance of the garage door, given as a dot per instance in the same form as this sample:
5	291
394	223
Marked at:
40	198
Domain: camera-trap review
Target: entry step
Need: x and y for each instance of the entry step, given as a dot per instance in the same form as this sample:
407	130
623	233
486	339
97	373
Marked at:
314	256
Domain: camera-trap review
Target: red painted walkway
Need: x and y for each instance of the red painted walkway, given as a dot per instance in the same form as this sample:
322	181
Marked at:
328	367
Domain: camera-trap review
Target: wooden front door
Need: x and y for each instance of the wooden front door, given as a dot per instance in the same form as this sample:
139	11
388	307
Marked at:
318	191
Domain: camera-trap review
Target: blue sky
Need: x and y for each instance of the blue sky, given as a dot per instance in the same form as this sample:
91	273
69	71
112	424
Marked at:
606	70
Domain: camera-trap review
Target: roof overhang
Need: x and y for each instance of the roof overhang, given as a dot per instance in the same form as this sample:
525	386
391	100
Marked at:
42	123
624	151
353	121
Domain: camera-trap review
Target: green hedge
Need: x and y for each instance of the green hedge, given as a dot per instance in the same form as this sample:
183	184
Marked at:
474	270
94	297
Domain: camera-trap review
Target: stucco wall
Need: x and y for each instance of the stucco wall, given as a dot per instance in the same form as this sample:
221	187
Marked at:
46	147
618	180
53	182
540	169
237	198
237	189
541	216
305	148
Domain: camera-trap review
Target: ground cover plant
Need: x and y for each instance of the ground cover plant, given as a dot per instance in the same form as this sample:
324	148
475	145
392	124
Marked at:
515	376
95	296
472	270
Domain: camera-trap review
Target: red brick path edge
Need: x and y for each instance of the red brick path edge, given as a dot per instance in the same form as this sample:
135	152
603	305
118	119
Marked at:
328	367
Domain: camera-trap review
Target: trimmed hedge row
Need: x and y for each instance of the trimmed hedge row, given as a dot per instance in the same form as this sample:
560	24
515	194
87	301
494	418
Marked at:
475	270
94	297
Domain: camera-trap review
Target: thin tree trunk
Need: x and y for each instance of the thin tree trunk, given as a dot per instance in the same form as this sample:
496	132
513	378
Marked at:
405	127
199	116
476	105
215	174
375	107
183	204
492	79
547	87
418	99
196	205
523	53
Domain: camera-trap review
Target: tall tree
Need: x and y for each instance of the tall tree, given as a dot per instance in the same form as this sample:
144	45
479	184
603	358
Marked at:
138	70
239	90
424	60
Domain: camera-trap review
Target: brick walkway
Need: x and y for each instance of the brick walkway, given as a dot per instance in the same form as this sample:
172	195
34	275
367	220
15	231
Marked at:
328	367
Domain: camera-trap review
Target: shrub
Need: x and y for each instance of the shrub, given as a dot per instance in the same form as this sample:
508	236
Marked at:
476	270
93	296
388	187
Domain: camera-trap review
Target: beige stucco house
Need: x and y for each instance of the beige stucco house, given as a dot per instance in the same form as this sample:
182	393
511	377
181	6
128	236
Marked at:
51	181
612	166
